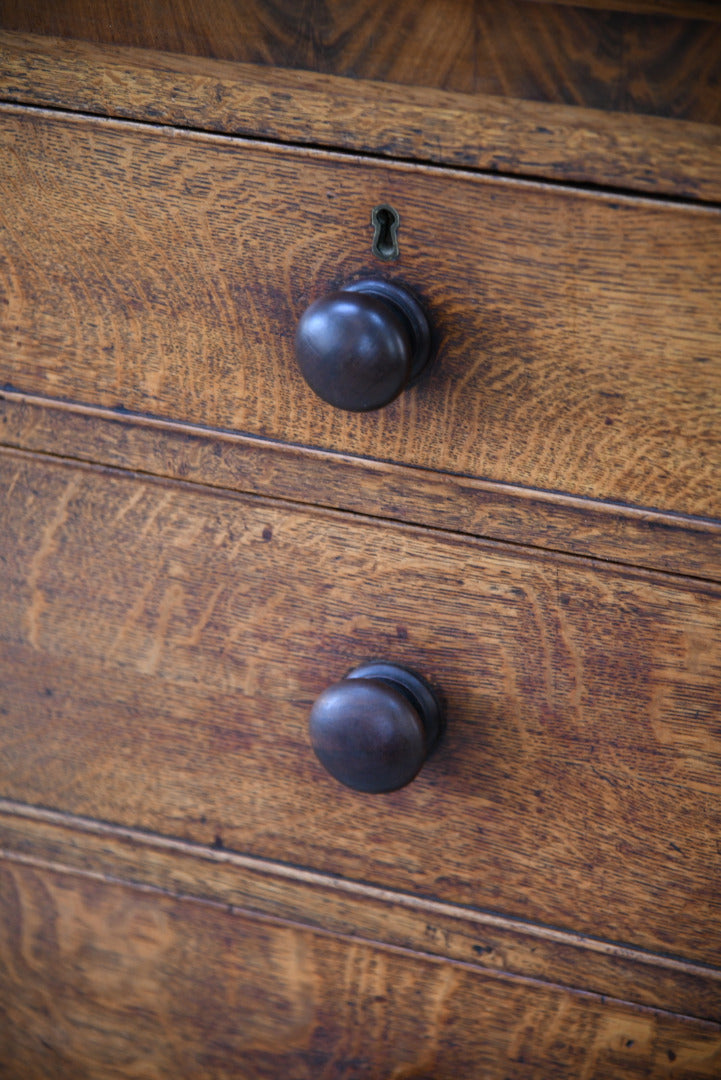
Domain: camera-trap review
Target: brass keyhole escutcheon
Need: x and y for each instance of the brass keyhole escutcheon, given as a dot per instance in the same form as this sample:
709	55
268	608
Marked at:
385	221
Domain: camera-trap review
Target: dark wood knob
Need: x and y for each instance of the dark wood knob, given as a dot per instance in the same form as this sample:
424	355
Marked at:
375	728
359	347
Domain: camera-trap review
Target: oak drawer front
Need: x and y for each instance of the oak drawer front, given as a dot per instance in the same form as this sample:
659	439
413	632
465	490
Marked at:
113	981
162	646
164	272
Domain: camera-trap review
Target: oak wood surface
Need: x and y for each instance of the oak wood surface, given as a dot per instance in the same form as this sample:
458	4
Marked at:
106	980
669	542
161	648
160	643
165	272
51	840
600	59
507	135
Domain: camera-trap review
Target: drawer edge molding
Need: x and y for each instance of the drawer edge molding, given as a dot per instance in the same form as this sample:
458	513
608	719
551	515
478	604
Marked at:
504	135
239	993
505	947
551	521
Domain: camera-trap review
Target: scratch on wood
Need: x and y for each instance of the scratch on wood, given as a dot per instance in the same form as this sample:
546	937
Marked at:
13	483
47	544
172	598
132	617
129	505
193	638
157	508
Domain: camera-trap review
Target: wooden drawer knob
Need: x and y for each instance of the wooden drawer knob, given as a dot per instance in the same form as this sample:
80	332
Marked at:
374	729
359	347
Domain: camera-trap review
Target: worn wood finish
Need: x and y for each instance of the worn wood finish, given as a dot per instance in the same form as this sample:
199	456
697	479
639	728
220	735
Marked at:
640	152
51	840
107	980
603	60
668	542
161	649
166	271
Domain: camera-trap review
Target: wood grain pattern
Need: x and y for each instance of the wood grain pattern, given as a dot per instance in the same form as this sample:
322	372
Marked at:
165	272
689	9
204	901
106	980
161	648
605	60
507	135
668	542
50	840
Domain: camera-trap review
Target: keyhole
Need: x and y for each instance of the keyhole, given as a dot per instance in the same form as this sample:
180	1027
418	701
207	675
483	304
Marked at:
385	222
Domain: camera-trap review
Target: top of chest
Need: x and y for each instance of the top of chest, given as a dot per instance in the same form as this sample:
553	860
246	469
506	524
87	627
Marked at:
618	92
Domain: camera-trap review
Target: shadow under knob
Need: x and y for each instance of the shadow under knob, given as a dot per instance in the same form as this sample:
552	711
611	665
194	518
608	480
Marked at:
374	729
359	347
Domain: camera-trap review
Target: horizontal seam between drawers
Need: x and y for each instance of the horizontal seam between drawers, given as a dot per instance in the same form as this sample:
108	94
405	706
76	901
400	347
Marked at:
356	939
449	535
10	106
180	427
269	868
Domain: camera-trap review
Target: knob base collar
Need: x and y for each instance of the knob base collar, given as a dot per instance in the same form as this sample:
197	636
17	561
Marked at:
414	314
413	687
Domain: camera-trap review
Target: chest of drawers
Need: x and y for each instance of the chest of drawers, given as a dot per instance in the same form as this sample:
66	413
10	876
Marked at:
194	545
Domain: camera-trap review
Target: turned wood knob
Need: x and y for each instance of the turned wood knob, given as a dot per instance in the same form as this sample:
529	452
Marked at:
359	347
374	729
